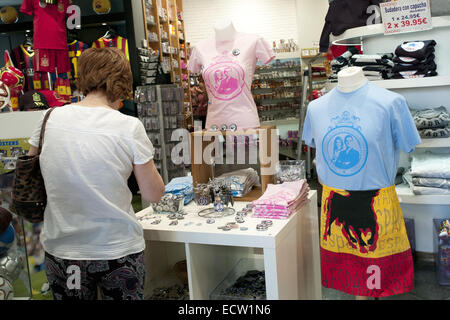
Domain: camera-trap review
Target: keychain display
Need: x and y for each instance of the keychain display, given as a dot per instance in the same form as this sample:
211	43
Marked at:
218	193
169	204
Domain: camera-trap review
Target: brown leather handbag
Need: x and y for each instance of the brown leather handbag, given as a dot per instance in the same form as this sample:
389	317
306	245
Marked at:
29	198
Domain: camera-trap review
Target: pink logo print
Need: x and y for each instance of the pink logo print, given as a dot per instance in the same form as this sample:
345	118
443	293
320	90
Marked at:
225	79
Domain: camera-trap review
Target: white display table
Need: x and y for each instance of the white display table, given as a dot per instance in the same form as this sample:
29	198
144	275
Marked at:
290	249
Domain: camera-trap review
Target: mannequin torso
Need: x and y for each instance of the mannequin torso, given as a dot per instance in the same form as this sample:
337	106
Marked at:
351	79
224	31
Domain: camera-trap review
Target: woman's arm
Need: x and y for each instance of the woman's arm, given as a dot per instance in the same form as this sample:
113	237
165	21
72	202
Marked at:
150	182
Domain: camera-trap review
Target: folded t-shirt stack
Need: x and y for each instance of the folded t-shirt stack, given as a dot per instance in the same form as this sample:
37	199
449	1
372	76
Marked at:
341	62
375	66
415	59
181	186
432	123
240	181
279	201
429	174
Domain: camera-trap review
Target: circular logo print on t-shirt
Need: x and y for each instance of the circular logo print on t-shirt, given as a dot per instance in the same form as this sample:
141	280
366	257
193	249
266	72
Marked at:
224	79
413	46
344	150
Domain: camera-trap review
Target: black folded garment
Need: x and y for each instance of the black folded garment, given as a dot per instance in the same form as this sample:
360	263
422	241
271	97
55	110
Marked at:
377	68
344	59
413	74
410	60
343	15
411	67
416	49
361	60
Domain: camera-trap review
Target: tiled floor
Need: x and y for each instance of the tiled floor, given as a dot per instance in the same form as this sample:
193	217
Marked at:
426	287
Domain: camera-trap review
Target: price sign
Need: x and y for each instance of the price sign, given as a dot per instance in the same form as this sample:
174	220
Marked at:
406	16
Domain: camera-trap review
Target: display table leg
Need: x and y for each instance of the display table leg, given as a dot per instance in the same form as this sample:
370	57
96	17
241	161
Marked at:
280	266
310	287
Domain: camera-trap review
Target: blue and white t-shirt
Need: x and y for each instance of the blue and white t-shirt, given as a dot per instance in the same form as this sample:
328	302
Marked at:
358	136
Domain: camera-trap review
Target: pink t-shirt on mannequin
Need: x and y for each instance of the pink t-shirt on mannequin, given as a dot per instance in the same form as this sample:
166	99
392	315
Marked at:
227	68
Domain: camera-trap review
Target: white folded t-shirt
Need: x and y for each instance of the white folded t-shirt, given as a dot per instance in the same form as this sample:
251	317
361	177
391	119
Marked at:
86	160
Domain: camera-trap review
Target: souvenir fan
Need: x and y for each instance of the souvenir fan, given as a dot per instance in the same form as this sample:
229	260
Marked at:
101	6
6	289
9	15
12	77
4	96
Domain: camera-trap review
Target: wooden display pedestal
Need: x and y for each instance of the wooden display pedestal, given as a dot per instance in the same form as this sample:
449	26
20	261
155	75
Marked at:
207	152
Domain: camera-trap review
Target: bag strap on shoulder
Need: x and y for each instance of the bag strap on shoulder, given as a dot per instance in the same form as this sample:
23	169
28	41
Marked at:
44	124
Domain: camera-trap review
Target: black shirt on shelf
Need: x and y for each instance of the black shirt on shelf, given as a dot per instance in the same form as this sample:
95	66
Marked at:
416	49
343	15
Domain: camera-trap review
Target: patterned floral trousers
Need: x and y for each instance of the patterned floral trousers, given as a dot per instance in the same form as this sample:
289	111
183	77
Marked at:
120	279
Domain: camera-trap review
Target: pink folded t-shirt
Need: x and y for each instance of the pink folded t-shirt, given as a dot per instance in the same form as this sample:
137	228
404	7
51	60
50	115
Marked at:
227	68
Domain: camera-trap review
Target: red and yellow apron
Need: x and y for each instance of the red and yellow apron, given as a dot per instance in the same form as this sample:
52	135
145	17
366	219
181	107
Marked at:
364	247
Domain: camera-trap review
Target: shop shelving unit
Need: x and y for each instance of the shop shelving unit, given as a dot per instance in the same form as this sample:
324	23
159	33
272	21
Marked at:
420	93
165	33
276	88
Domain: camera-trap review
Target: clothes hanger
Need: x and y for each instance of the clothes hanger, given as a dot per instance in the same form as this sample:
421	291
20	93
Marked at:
48	1
71	36
110	34
28	43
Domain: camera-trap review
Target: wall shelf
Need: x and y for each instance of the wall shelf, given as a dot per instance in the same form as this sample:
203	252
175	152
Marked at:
355	35
429	82
165	13
291	121
406	196
437	81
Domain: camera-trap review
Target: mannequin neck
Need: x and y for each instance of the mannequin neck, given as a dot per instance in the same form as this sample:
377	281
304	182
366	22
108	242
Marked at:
351	79
225	31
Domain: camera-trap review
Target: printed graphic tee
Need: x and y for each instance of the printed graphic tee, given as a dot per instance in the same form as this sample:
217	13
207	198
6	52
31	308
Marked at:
358	136
227	68
49	23
416	49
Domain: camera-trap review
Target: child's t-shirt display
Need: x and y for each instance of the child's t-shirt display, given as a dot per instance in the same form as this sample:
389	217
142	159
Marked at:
358	136
227	68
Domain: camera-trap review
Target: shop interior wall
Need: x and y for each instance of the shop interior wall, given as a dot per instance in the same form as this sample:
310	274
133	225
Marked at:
273	20
310	19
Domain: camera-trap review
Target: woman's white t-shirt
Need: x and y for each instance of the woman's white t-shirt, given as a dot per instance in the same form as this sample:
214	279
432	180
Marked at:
86	160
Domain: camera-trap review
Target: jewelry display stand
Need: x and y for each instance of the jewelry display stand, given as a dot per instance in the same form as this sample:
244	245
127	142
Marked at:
202	164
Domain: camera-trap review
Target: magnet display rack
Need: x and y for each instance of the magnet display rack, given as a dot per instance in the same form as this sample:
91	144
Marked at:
160	108
165	33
